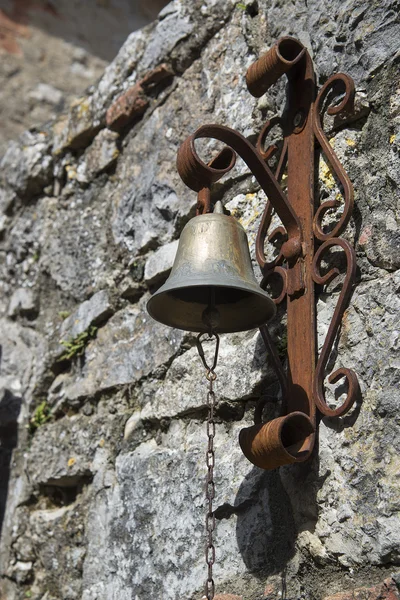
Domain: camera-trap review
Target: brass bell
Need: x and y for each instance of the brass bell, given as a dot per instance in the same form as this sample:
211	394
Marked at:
212	286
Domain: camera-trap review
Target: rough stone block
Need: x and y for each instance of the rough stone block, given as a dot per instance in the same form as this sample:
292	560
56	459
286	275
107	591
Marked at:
23	302
102	153
27	165
78	128
129	347
90	312
159	264
387	590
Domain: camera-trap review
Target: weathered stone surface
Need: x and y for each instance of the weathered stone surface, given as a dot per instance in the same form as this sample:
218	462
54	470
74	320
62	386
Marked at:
388	590
102	153
75	258
23	302
107	493
128	348
22	352
159	264
247	499
78	128
91	312
133	103
27	165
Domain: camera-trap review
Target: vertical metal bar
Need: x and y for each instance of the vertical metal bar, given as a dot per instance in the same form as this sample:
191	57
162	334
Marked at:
301	323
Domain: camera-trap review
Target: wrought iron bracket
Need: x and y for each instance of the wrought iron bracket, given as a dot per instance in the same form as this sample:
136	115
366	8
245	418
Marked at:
291	437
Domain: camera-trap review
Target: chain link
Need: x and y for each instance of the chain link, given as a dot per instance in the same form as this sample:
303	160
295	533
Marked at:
210	487
210	462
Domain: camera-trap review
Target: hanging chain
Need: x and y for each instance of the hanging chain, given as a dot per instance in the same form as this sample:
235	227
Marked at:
210	461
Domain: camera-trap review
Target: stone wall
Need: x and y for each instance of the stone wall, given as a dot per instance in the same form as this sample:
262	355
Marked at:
102	410
51	51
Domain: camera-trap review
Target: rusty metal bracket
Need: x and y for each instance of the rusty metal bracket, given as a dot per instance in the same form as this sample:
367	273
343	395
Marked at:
306	241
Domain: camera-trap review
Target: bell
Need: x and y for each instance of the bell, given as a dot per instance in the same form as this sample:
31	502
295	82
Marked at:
212	286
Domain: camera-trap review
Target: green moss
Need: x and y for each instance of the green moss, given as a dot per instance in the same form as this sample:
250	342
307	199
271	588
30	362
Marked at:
77	345
63	314
40	416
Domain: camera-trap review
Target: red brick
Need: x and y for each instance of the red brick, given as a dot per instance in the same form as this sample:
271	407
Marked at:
126	108
134	102
155	76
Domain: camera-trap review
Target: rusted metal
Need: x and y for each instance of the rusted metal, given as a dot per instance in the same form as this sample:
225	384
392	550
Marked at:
349	374
210	461
262	444
279	442
290	438
267	445
336	82
283	57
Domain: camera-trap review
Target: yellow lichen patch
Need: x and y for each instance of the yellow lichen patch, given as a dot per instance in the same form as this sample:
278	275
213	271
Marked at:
350	142
71	172
71	462
326	175
392	138
247	222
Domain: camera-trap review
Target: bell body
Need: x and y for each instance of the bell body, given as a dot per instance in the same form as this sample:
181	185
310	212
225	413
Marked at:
212	272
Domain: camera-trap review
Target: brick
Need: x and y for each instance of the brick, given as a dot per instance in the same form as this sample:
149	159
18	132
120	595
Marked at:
126	108
133	103
156	76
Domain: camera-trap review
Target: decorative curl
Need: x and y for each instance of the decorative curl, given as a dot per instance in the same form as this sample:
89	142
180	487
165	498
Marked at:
197	175
351	377
339	83
267	214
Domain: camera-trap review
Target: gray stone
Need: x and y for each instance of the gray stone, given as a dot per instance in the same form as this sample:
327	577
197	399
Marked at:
106	497
23	302
44	92
27	165
172	28
102	153
253	504
89	313
74	250
78	128
159	264
128	348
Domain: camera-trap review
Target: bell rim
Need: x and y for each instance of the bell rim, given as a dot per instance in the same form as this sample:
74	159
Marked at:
247	287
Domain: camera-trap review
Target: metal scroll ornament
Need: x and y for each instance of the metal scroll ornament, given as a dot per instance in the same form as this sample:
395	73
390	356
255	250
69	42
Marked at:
306	242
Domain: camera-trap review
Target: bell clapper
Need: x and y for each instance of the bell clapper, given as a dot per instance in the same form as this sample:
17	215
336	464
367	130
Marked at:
210	460
211	316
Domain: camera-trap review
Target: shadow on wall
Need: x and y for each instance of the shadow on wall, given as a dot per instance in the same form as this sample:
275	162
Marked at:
99	26
10	407
272	507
